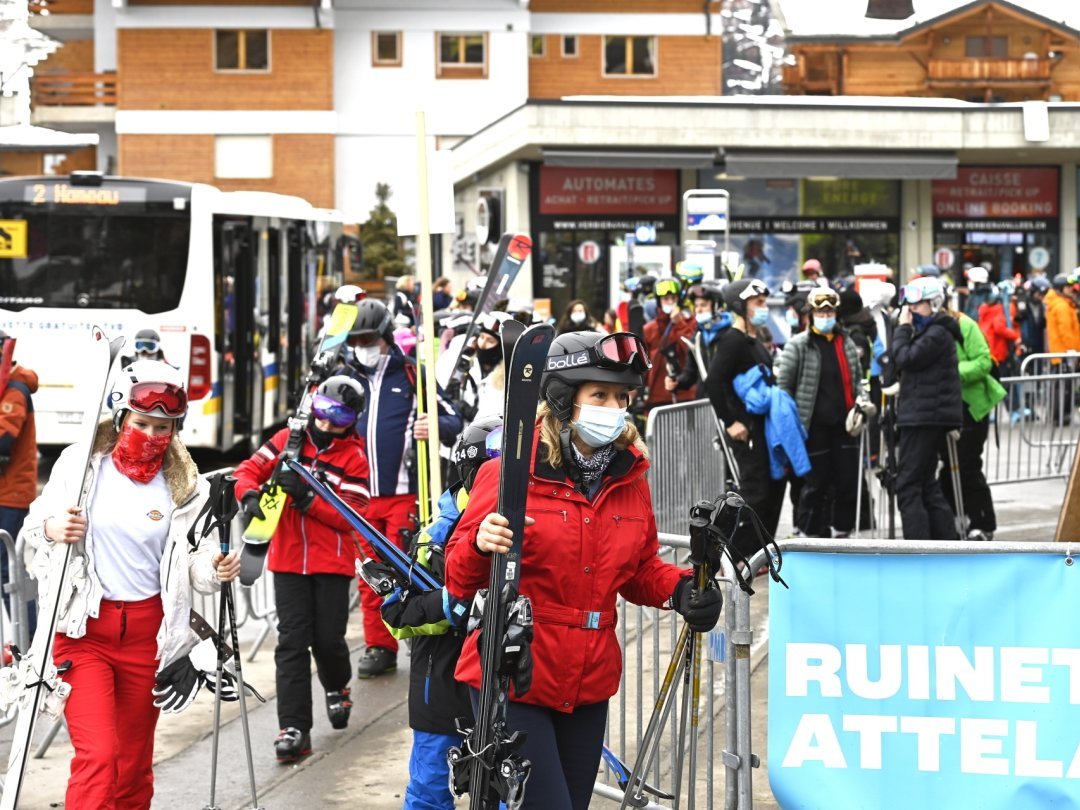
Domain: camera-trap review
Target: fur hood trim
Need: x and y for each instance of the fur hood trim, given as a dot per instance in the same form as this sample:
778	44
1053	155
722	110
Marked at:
181	474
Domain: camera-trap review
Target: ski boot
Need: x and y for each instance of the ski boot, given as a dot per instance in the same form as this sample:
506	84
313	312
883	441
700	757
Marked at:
292	745
376	661
338	707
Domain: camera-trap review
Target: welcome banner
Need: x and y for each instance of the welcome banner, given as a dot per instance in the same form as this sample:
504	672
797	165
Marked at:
925	681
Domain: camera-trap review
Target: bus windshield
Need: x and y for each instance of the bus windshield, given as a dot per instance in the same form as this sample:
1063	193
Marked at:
128	255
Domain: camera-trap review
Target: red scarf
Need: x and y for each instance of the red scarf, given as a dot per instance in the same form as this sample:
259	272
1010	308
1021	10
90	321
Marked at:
138	455
845	373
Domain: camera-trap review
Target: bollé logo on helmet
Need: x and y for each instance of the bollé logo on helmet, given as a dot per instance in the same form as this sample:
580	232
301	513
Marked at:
565	361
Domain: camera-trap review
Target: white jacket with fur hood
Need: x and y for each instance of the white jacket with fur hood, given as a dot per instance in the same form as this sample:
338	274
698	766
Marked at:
181	566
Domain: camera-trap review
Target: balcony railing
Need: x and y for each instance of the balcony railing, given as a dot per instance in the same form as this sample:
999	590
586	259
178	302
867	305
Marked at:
989	70
74	90
61	6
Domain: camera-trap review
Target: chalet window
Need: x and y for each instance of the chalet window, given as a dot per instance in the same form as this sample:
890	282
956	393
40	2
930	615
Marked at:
629	56
986	47
462	56
569	46
386	48
537	45
241	50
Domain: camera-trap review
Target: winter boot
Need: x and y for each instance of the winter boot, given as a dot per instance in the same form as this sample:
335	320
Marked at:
376	661
338	706
292	745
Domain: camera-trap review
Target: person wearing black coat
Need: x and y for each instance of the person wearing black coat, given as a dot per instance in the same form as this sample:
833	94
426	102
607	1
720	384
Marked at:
929	405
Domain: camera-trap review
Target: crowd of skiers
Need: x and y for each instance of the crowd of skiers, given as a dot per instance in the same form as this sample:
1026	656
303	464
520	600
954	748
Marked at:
923	361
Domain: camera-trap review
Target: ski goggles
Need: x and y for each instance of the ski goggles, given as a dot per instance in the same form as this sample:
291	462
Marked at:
147	397
148	346
754	288
667	286
334	412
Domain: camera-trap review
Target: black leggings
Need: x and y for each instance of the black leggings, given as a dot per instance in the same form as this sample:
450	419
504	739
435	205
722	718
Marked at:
564	750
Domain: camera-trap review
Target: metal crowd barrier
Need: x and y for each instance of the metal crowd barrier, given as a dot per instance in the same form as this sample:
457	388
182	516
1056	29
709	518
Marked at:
647	636
685	464
1037	426
17	588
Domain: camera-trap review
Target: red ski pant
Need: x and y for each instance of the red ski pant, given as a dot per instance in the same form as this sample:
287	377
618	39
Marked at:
389	514
110	713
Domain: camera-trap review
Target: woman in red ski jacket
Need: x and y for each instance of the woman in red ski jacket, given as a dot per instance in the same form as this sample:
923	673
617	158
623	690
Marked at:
313	557
590	537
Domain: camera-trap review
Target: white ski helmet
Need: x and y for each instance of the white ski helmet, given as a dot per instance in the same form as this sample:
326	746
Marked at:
149	387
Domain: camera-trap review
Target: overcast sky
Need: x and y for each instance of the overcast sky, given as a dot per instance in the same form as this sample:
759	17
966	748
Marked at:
806	17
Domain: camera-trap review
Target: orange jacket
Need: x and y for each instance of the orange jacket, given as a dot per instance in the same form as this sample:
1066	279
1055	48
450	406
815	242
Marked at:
1062	326
18	440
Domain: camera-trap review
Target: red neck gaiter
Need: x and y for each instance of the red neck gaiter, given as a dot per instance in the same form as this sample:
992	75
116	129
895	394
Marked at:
139	456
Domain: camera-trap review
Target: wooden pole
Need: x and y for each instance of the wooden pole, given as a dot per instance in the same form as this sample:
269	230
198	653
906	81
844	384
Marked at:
427	345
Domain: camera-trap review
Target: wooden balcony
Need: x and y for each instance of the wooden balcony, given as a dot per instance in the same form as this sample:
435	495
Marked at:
989	71
61	6
74	90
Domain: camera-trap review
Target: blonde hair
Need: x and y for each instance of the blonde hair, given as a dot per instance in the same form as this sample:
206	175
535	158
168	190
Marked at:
551	447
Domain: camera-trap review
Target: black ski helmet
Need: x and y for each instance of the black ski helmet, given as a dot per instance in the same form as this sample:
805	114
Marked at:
345	390
472	447
738	292
710	290
576	357
372	317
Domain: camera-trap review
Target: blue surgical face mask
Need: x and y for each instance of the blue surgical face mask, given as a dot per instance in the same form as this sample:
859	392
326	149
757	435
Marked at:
824	324
792	318
760	316
704	317
598	426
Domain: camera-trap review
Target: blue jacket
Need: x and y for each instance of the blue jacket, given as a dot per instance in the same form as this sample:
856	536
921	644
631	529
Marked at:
387	422
784	432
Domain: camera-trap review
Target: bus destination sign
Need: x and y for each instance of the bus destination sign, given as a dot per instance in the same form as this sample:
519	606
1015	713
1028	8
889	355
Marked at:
67	194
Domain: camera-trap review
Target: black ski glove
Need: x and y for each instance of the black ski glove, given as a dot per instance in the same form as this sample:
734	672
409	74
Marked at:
249	503
701	610
296	488
176	685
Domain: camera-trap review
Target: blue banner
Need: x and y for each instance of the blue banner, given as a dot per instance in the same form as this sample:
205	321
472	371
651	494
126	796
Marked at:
925	681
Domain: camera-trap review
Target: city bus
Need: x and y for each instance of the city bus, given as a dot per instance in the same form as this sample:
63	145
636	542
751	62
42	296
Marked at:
231	281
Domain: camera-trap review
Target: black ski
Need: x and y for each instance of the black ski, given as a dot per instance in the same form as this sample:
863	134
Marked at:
511	253
489	767
260	531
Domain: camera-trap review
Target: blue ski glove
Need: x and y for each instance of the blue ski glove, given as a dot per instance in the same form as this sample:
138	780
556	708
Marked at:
701	610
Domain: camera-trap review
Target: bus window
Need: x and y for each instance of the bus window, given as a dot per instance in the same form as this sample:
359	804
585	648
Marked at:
125	256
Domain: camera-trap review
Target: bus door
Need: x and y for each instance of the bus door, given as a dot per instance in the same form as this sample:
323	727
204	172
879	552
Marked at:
236	267
276	372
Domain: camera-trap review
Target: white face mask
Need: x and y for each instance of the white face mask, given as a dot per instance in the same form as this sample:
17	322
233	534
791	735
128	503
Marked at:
598	426
667	308
367	355
577	317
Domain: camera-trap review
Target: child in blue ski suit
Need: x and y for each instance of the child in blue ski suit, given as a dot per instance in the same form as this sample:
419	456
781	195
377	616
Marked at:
435	622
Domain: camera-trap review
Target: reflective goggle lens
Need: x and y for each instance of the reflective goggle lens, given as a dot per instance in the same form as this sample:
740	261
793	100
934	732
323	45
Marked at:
667	286
149	346
623	348
911	294
150	396
332	411
493	443
754	288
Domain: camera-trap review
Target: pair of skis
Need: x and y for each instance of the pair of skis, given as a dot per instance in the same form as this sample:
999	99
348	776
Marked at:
35	670
273	501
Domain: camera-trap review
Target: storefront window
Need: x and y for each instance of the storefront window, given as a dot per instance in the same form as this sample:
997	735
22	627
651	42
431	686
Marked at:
582	218
777	224
1003	218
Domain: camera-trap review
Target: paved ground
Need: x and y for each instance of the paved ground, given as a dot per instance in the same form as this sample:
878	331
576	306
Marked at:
365	766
